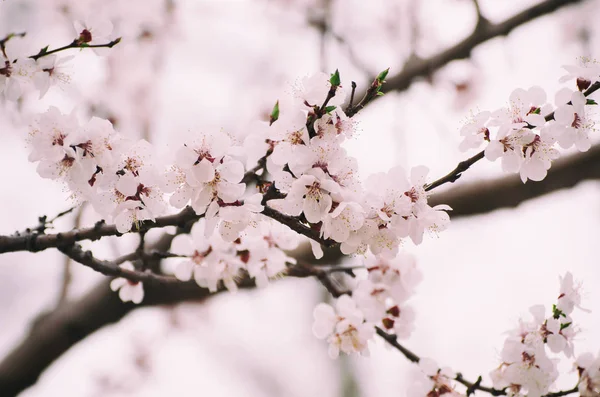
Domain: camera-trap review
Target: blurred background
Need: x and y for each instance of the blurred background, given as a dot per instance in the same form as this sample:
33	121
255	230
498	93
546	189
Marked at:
186	66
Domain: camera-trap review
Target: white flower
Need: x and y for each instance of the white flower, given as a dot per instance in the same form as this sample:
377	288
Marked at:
310	194
475	131
128	290
573	121
16	76
526	107
335	125
213	183
570	294
343	327
400	274
586	71
538	158
436	381
509	147
51	71
344	219
312	91
95	29
235	218
589	375
290	136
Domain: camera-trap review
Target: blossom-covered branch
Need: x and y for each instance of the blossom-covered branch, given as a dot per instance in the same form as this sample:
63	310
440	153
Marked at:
482	196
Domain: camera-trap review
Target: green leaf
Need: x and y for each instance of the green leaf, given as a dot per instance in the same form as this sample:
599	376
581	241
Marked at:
537	111
381	76
43	50
274	113
335	79
329	109
556	312
563	326
591	102
379	93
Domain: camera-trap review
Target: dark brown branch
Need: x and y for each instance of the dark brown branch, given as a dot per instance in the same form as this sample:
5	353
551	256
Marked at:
483	32
74	44
39	242
480	197
109	268
294	224
457	172
53	333
466	164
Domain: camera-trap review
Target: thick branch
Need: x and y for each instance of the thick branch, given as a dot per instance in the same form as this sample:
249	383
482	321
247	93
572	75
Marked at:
53	333
483	32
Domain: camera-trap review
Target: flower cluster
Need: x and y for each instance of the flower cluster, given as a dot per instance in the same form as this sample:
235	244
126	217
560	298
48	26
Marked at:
20	73
529	131
212	260
526	367
377	300
435	381
321	184
314	187
588	367
118	176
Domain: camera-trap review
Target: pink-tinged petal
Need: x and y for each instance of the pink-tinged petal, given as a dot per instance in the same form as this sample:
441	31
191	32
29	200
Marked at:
418	175
230	192
536	120
232	171
494	150
578	100
124	221
12	90
137	293
534	170
181	197
582	142
511	161
183	271
537	95
186	157
517	97
203	197
563	96
204	171
230	285
212	210
292	205
128	185
48	170
333	351
126	293
317	250
182	244
229	231
564	115
556	343
282	153
312	209
117	283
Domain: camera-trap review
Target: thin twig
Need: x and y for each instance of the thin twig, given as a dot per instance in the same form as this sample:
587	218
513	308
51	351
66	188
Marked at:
109	268
461	50
67	276
74	44
466	164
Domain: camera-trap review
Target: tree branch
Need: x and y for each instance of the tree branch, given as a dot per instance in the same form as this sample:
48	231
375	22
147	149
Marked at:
483	32
508	192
